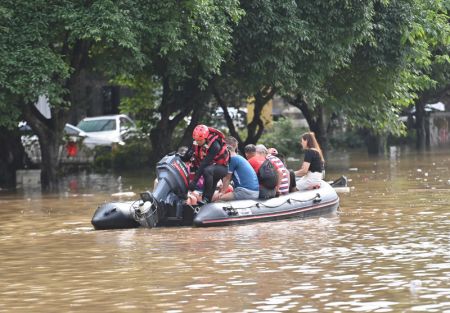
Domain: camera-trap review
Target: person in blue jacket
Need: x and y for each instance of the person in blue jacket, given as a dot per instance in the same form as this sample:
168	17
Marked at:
244	178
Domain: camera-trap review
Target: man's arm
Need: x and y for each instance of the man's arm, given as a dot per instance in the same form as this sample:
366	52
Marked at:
188	155
222	195
280	177
225	183
212	152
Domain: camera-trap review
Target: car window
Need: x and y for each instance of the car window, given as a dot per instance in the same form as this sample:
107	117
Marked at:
70	131
97	125
125	123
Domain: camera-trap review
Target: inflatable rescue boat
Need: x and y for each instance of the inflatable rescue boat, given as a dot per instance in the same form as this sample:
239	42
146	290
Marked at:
166	205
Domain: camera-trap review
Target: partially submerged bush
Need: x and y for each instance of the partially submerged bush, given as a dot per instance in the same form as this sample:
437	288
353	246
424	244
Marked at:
134	154
349	139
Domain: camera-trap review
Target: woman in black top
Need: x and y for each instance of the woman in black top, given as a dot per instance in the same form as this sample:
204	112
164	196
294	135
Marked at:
309	175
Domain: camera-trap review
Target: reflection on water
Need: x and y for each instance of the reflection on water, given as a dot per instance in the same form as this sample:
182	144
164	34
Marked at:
88	183
388	250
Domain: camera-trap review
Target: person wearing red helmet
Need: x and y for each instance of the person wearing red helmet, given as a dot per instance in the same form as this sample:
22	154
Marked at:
210	156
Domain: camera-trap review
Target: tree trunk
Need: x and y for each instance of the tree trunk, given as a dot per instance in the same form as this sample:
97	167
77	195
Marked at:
427	131
161	139
50	134
12	156
376	144
319	127
420	126
255	128
50	144
161	135
233	131
175	106
315	118
50	131
196	116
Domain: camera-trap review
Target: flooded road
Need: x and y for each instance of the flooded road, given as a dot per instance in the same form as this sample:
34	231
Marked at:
388	250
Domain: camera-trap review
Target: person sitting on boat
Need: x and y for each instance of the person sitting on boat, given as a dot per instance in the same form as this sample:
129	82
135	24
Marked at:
282	177
272	151
210	155
240	171
265	171
292	184
250	152
279	155
309	176
283	173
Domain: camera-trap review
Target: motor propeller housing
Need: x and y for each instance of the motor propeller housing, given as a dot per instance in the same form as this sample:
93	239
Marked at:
154	208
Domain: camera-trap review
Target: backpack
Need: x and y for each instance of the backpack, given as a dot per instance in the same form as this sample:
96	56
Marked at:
268	175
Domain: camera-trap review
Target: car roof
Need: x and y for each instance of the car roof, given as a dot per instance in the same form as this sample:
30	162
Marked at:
105	117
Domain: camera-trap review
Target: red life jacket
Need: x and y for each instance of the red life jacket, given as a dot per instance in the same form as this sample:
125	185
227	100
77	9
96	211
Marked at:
222	157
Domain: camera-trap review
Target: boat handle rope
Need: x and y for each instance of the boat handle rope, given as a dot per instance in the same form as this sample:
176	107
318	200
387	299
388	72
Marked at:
314	199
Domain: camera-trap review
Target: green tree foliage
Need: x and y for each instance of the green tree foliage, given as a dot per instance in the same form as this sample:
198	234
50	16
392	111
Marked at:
46	45
290	47
383	72
185	39
392	66
284	137
364	59
185	44
143	103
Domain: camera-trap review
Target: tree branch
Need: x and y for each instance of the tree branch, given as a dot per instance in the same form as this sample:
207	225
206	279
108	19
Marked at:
228	118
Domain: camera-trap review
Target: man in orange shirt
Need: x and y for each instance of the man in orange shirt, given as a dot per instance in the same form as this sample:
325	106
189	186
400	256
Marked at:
256	159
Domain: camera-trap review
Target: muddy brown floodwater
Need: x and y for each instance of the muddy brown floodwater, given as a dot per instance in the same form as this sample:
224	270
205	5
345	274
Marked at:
387	250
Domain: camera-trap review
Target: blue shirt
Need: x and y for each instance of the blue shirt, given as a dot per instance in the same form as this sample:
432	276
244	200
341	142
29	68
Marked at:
243	174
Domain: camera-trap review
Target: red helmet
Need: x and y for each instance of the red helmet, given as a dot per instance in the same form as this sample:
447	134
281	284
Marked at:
200	132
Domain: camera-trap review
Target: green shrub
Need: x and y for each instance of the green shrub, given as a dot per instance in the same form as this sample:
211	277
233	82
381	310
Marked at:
135	154
284	137
102	158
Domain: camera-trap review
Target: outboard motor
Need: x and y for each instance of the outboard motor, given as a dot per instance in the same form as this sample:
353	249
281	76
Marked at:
166	199
154	207
173	176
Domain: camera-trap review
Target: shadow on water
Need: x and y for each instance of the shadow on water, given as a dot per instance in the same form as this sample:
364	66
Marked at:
388	250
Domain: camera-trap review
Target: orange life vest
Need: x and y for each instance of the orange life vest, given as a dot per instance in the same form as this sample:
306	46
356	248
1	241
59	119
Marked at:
222	157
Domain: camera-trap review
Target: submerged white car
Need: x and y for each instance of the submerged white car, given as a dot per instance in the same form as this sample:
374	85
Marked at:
89	141
100	131
115	128
72	134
